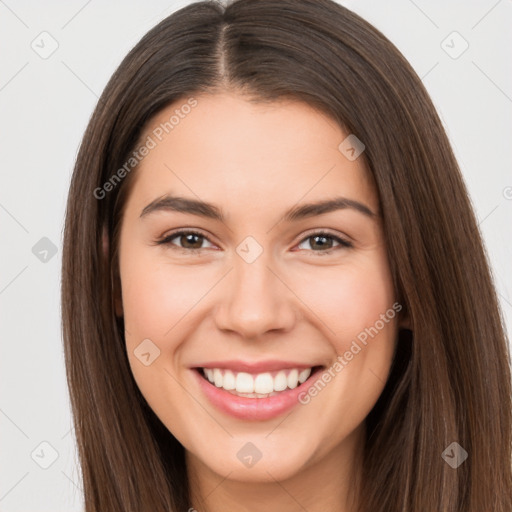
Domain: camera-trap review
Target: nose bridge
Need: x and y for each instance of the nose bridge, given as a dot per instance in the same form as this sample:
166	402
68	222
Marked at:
254	299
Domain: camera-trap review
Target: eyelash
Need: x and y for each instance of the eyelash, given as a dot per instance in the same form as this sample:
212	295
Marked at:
343	244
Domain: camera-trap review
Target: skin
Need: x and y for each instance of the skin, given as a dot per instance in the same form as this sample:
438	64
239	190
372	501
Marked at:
294	302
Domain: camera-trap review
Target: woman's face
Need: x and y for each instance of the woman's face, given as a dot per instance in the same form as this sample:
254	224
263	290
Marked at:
266	289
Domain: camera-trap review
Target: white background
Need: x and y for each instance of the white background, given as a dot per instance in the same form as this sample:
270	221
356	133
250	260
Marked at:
44	108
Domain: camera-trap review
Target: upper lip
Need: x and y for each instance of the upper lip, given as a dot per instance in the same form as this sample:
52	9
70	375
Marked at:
255	366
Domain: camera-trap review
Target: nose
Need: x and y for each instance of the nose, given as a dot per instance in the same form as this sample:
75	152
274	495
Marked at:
255	300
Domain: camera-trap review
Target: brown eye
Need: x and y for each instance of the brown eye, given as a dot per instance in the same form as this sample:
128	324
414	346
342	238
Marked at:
324	242
189	241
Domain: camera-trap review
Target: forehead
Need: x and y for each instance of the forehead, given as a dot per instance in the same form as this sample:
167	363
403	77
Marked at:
248	155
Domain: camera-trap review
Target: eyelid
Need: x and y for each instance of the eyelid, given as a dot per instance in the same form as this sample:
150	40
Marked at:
165	239
343	240
323	231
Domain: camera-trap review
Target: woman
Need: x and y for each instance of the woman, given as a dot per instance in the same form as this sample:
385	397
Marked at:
331	338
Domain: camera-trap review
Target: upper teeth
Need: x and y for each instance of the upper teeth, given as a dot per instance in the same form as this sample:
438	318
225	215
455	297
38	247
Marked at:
261	383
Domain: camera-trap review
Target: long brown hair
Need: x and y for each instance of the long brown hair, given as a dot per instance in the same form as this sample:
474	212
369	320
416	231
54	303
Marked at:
450	380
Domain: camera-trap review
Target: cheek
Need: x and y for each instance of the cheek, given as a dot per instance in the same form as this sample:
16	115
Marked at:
157	296
354	305
348	299
355	308
156	299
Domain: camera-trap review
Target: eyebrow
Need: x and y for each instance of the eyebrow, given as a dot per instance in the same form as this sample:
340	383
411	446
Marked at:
209	210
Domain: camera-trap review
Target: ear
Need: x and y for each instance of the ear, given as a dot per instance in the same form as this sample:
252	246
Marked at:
115	279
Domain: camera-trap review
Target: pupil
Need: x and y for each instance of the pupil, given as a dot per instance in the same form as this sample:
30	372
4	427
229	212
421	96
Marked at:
190	237
324	238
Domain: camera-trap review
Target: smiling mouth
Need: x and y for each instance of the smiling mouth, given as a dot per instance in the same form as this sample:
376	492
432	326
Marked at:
257	385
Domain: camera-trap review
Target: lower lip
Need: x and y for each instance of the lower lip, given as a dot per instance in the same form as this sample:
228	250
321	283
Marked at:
253	409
